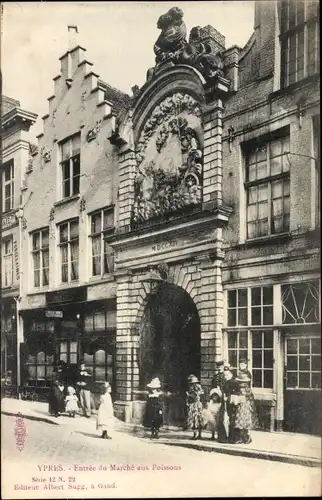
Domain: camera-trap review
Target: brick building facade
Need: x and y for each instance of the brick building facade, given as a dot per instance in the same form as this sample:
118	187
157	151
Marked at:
179	227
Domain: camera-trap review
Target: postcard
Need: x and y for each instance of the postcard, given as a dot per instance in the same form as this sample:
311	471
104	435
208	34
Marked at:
160	249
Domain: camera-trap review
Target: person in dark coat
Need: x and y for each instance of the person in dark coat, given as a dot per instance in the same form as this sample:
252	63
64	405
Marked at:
218	378
229	387
153	418
56	397
83	384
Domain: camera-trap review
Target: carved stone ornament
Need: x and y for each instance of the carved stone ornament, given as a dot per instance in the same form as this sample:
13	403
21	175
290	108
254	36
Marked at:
172	47
82	204
52	214
24	223
46	155
91	135
171	106
168	184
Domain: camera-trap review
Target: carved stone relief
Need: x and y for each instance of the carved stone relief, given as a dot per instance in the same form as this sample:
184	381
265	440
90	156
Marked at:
169	160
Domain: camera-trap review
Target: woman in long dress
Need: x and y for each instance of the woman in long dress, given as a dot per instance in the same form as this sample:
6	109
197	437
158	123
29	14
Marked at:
105	415
195	419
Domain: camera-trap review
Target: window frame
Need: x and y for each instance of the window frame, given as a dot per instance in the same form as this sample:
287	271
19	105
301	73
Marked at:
7	257
5	183
69	161
102	234
309	337
41	250
240	352
287	32
250	149
68	244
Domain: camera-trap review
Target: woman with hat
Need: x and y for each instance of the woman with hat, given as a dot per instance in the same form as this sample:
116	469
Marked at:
243	414
243	368
153	418
105	415
195	407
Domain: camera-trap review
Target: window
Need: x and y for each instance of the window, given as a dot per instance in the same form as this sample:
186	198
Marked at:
69	250
262	305
237	307
257	347
251	307
40	367
303	363
70	166
100	365
268	188
68	352
40	257
8	186
262	358
300	303
7	262
300	40
102	223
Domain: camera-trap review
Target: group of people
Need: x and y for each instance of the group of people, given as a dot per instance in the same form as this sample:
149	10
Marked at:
69	400
229	414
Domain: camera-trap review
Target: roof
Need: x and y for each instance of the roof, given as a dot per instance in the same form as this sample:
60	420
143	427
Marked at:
117	97
8	103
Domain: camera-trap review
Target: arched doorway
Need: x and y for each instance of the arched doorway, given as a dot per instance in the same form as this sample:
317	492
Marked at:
170	345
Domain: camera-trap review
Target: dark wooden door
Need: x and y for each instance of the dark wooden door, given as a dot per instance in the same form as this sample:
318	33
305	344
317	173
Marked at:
302	396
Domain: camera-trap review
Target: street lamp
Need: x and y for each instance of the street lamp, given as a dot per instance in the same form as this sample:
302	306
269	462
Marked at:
153	279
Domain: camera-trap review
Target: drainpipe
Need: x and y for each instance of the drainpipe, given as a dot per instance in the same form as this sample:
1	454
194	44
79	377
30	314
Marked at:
19	329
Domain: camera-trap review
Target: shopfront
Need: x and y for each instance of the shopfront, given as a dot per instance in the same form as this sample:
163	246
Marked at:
68	332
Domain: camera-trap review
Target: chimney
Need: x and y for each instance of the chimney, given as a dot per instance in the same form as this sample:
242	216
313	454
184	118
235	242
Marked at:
72	41
75	54
215	40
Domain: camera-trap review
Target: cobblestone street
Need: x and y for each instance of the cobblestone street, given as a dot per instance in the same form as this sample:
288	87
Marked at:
47	445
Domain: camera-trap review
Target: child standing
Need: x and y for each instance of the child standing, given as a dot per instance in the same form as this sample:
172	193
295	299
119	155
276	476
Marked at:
105	415
213	411
153	412
195	407
71	401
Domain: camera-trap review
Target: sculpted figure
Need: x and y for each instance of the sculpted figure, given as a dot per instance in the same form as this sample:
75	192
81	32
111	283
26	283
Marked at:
173	34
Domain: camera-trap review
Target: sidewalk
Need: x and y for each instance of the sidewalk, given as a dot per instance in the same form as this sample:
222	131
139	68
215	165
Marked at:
300	449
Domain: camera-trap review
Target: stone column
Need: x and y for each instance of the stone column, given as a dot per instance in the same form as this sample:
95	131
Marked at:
127	171
123	336
212	168
210	307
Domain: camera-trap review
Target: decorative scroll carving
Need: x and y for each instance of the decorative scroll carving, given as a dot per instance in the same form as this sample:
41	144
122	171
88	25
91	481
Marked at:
175	183
171	106
91	135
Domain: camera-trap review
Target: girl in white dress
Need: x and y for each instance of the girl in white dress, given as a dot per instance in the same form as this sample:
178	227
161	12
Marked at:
71	401
105	415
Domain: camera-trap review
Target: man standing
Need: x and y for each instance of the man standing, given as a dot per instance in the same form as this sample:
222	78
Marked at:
84	390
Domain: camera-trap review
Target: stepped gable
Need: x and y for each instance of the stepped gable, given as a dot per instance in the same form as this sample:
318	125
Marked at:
119	99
